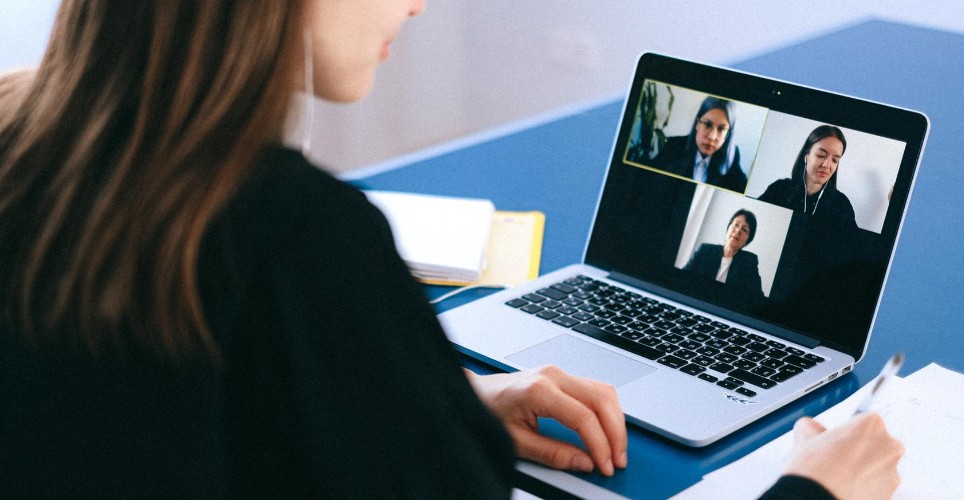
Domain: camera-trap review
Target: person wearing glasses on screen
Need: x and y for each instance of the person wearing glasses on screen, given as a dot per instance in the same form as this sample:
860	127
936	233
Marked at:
189	309
812	185
708	154
729	263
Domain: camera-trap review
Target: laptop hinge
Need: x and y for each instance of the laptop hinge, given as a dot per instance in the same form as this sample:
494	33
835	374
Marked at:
763	326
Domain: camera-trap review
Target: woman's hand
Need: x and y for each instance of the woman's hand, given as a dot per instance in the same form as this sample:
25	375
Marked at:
857	460
586	406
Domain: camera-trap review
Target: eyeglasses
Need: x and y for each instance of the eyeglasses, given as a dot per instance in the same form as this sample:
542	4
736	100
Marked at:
708	126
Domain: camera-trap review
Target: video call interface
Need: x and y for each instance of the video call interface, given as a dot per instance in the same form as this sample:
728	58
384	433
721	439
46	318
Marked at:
772	215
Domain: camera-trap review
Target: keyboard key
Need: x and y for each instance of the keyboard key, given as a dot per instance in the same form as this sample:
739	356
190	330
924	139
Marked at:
734	380
654	332
566	321
754	356
517	303
548	314
702	319
738	331
744	364
717	343
796	360
622	299
638	326
534	298
739	340
726	357
617	329
722	367
699	337
813	357
599	323
722	326
791	369
589	308
664	325
704	328
758	347
685	354
772	363
631	335
622	320
670	316
564	288
776	353
763	371
606	314
671	361
681	330
793	350
572	302
756	338
614	307
782	376
774	344
704	361
567	310
674	339
721	334
734	349
552	293
707	377
650	341
689	344
687	322
746	392
708	351
532	309
573	281
667	348
752	379
692	369
726	384
582	316
581	295
685	314
629	345
597	301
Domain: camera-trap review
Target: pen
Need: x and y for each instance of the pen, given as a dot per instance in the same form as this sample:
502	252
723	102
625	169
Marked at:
890	369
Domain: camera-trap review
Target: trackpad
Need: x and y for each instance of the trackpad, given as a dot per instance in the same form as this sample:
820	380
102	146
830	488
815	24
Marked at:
581	358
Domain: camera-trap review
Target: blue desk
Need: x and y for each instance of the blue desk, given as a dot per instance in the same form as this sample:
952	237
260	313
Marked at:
557	167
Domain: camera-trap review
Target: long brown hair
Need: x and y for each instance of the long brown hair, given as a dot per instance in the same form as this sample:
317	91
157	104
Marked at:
141	122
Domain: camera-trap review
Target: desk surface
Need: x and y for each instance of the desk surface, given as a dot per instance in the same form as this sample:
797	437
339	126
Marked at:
558	167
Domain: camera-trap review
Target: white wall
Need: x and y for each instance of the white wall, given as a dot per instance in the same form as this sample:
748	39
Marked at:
865	174
465	66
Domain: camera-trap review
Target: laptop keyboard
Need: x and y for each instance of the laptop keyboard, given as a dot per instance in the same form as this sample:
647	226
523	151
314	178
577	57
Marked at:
695	345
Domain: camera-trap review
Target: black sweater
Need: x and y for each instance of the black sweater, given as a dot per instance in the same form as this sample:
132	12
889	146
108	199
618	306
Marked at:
338	381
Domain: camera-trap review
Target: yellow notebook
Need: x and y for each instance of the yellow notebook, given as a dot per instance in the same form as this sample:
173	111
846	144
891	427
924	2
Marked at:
513	253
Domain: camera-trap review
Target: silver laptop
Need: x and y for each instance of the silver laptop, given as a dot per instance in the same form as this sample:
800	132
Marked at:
738	254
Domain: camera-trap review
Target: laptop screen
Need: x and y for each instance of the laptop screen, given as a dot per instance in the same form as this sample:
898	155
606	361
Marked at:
777	203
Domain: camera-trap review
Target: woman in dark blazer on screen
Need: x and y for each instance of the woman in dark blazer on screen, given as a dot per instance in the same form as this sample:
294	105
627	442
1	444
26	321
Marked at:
708	154
188	309
729	263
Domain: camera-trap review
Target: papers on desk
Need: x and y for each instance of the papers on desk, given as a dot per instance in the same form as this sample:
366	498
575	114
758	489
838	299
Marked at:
462	241
925	411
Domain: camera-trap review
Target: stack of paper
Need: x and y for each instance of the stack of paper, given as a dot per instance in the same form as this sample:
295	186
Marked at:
441	239
925	411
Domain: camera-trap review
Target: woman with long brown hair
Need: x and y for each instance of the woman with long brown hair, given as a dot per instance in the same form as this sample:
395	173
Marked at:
188	309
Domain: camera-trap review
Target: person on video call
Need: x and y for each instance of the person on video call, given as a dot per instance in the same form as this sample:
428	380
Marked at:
708	154
729	263
192	310
812	186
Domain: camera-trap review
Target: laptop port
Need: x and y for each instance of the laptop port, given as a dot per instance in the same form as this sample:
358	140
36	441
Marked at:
832	376
846	369
814	386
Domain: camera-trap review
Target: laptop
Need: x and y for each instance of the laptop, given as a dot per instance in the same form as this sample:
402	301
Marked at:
737	256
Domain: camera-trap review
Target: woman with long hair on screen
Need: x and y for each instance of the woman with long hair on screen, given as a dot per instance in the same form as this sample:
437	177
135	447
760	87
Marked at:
191	310
812	185
708	154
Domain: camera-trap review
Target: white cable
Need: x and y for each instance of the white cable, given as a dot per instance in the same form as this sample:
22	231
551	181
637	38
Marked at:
460	290
309	91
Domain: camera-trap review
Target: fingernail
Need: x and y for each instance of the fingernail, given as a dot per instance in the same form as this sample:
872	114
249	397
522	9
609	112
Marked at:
623	460
608	469
581	463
